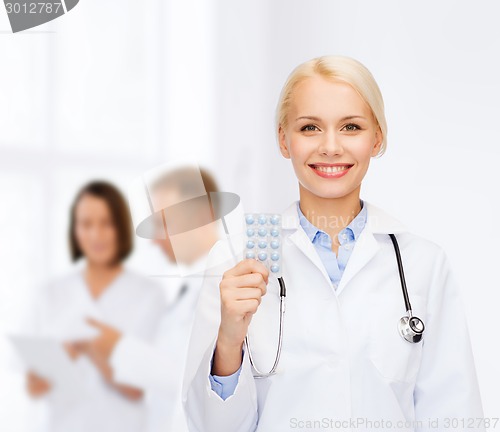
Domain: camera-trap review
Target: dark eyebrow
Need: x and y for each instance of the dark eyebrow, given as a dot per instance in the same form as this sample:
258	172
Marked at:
342	119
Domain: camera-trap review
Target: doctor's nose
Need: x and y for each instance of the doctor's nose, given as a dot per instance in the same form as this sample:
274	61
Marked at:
330	144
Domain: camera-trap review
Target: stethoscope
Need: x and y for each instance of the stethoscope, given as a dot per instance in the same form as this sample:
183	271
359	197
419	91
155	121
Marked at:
411	328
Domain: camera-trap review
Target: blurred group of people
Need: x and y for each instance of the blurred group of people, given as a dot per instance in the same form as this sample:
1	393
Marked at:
132	357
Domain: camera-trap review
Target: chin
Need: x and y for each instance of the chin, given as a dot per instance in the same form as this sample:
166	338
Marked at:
325	192
171	258
102	260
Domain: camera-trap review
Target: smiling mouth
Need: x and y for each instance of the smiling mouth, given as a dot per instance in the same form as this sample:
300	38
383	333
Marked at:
330	169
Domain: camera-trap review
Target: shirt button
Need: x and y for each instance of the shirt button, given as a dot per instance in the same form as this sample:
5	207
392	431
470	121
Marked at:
347	246
344	236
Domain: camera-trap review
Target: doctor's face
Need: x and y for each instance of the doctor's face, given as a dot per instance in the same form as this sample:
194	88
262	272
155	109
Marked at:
95	230
330	137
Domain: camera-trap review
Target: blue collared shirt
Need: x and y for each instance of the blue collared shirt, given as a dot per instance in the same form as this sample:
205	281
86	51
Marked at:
335	265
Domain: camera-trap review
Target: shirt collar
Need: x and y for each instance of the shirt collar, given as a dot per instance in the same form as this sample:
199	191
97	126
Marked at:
356	225
378	221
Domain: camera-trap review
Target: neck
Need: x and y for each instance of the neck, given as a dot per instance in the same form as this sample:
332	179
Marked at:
102	269
330	215
99	276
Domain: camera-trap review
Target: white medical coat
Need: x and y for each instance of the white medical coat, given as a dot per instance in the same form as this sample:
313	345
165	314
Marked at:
343	360
133	304
158	366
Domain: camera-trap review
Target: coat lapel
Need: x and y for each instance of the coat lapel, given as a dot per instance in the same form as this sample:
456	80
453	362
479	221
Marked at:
378	222
365	249
299	238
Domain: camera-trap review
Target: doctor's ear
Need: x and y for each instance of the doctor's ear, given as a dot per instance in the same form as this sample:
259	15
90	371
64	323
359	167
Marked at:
378	141
282	142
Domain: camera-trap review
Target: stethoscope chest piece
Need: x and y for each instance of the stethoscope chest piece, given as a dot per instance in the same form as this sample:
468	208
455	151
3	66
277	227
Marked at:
411	328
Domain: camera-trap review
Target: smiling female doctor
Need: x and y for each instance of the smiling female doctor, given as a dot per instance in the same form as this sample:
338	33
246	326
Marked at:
343	365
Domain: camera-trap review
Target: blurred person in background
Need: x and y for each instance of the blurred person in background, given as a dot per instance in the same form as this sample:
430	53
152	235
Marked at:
103	290
156	366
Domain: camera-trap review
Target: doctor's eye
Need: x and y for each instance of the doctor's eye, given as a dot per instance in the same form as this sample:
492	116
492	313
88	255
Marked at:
309	128
351	127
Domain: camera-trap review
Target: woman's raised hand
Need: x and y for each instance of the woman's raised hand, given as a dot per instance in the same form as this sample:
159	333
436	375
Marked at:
241	291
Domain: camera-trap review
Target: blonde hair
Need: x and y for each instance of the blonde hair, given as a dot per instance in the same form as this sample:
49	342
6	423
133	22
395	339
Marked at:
337	68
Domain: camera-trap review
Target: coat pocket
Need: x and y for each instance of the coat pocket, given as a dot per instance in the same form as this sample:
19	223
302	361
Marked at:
394	357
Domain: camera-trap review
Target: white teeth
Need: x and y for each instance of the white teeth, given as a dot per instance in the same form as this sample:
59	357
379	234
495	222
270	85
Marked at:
331	169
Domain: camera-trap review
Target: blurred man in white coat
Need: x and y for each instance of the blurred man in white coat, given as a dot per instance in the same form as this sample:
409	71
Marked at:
184	231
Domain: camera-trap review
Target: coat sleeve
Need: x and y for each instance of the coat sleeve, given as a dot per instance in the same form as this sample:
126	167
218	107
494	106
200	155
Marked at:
206	411
142	364
446	389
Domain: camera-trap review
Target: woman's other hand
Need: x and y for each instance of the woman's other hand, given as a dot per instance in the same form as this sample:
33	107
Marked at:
36	385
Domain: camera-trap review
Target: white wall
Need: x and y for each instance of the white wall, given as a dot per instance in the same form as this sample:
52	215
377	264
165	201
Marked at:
112	89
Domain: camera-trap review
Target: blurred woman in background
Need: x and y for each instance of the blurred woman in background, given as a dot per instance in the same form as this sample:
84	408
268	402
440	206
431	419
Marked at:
102	291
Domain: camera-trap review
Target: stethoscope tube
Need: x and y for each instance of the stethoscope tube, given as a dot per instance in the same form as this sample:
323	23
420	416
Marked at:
256	372
411	328
401	272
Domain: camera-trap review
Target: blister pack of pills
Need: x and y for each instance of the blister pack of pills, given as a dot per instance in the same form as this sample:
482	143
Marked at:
263	240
